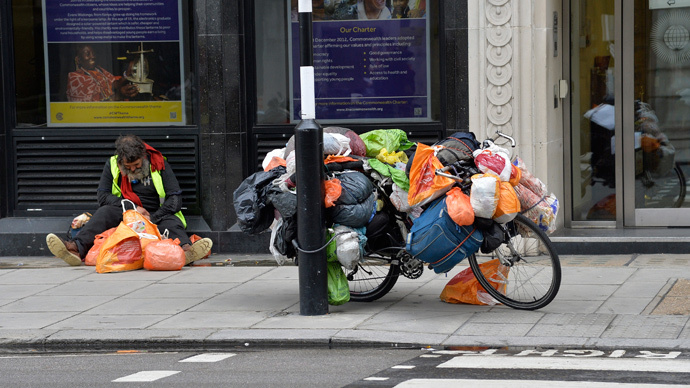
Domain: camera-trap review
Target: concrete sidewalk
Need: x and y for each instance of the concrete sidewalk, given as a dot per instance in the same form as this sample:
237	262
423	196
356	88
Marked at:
620	302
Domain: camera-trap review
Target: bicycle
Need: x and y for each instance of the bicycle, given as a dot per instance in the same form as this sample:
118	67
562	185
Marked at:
532	265
661	191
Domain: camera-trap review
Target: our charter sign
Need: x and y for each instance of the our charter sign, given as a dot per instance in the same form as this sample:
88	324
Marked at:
114	62
366	70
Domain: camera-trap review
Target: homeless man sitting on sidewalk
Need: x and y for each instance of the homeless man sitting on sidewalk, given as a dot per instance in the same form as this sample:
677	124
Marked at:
139	173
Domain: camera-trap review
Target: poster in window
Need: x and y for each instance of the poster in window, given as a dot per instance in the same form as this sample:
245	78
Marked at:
371	60
113	63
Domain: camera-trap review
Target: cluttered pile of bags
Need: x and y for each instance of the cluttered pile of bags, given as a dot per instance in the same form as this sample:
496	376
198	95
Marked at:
448	224
134	244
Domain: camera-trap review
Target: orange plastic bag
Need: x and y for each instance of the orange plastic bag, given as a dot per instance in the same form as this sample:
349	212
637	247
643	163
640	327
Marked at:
425	185
333	191
164	255
194	238
515	175
459	207
465	288
508	204
120	252
92	255
146	230
275	162
138	222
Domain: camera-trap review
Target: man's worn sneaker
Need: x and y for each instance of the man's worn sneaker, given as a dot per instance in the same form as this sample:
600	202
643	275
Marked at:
66	250
198	250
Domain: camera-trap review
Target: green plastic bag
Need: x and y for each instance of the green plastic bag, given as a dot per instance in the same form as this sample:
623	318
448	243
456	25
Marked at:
398	176
338	287
390	139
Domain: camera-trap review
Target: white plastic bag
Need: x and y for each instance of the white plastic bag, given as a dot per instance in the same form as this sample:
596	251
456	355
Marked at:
484	194
347	246
279	152
492	160
336	144
275	226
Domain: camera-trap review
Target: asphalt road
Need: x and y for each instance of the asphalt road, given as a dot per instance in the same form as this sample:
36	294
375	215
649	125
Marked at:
349	367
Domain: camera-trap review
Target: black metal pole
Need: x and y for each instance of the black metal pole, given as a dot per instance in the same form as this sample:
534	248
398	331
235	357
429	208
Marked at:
311	228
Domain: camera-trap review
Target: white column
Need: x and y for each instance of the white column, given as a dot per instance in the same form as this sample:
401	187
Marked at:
512	75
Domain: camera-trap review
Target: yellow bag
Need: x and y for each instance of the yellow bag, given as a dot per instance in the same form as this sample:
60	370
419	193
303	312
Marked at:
465	288
391	157
120	252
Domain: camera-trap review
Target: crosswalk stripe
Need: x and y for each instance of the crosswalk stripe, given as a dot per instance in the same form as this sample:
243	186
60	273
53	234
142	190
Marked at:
208	357
464	383
562	363
147	375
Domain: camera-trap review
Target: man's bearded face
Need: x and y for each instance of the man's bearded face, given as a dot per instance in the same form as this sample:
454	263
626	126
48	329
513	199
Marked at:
137	170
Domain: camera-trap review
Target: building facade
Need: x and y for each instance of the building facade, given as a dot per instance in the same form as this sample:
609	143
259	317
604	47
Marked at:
217	91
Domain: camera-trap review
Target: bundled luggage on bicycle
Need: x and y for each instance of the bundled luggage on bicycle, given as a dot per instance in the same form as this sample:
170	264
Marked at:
395	207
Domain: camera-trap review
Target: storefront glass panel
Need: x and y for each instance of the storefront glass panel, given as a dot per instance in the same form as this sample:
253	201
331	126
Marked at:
97	65
661	114
593	110
368	69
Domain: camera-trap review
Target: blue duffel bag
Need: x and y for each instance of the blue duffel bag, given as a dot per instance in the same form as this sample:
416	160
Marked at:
436	239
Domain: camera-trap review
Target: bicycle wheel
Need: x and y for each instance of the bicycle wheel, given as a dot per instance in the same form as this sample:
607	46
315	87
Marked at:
667	191
373	277
532	269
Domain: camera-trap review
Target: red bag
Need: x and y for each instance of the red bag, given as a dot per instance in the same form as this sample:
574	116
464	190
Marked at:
465	288
164	255
120	252
92	255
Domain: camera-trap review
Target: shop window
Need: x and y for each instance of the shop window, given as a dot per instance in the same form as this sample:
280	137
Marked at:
102	64
380	69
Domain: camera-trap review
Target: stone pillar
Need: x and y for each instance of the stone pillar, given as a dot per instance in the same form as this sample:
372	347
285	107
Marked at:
512	75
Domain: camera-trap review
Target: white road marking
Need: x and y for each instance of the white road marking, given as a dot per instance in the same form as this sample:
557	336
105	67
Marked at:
208	357
430	356
403	367
376	378
464	383
147	375
609	364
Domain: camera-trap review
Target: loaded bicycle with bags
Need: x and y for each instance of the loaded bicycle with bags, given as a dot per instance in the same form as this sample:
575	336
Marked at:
389	216
528	273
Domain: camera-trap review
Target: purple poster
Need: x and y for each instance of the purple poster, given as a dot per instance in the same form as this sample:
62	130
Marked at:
366	70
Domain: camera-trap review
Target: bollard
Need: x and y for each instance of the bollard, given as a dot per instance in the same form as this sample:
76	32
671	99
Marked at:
311	224
311	228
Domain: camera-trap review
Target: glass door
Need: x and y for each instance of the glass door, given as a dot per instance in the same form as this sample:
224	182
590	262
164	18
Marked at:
656	112
594	187
630	112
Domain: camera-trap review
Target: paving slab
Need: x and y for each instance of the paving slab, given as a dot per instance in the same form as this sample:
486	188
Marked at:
617	301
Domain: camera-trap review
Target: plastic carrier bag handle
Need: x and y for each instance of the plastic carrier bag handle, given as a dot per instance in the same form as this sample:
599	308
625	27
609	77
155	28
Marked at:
134	206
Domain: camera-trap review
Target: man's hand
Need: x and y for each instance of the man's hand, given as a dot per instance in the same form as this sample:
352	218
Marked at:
124	89
144	212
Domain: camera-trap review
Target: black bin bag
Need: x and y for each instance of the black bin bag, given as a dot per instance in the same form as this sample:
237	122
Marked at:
254	210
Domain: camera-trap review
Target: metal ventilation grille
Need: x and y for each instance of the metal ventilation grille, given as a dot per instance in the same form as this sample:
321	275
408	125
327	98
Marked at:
267	142
61	175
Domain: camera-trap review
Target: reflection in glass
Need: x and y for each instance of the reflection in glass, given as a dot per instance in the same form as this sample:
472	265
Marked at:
593	123
662	88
